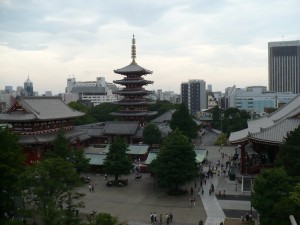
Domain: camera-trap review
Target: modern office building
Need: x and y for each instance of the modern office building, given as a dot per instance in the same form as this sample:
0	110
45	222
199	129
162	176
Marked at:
91	92
284	66
193	94
256	98
28	88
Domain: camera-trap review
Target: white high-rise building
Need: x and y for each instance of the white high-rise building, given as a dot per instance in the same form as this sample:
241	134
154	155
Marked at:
94	92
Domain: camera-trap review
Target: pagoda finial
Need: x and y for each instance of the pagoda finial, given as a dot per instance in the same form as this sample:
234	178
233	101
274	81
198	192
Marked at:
133	50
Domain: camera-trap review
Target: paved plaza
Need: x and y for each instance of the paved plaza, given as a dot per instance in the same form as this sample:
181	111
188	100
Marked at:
135	202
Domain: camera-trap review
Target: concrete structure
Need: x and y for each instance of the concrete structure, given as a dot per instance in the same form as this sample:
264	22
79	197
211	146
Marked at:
93	92
255	98
193	94
284	66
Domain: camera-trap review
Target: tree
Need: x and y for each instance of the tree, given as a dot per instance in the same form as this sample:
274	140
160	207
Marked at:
102	112
161	107
87	118
151	134
272	198
48	191
289	154
63	148
175	164
117	161
11	166
106	219
182	120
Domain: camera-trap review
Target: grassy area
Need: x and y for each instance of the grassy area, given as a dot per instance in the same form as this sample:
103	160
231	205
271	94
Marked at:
231	221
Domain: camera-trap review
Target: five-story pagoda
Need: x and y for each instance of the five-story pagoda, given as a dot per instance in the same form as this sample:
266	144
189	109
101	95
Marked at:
134	100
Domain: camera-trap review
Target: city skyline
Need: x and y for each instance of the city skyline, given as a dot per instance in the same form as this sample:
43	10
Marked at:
224	43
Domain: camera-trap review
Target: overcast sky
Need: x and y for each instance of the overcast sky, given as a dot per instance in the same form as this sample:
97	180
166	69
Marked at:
222	42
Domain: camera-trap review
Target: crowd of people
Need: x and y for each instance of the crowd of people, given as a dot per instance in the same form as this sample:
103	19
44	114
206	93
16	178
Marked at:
159	221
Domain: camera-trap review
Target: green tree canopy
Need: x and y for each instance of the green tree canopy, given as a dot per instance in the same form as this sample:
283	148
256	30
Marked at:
87	118
48	191
272	197
11	166
289	154
183	121
175	164
102	112
229	120
117	161
162	106
151	134
63	148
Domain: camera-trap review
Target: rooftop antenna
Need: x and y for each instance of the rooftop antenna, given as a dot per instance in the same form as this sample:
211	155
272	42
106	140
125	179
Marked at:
133	50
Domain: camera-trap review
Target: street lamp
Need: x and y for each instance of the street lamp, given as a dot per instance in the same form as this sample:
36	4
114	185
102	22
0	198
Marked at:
221	131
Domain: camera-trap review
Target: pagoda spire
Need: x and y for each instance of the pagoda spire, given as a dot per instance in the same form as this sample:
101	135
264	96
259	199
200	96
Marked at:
133	50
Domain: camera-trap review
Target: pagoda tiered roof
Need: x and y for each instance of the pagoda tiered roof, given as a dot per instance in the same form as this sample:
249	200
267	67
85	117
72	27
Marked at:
131	113
134	102
133	68
139	81
140	91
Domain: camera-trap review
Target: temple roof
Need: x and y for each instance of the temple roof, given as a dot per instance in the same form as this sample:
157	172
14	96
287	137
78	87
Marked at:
121	127
133	81
38	108
134	113
50	137
126	92
166	117
133	68
276	133
289	110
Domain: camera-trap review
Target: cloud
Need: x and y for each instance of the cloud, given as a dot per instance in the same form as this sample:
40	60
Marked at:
218	41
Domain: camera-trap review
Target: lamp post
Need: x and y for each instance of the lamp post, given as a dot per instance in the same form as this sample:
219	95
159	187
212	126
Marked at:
221	132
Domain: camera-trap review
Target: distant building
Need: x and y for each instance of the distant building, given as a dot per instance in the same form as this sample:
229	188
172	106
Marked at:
169	96
19	90
90	92
209	87
28	88
255	98
48	93
284	66
8	89
193	94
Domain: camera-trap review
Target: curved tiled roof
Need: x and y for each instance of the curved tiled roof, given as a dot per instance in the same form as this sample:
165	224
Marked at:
133	81
39	108
133	68
276	133
121	127
289	110
50	137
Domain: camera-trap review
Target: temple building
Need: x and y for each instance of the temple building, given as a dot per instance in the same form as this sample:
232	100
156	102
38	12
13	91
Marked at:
259	144
134	99
37	120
